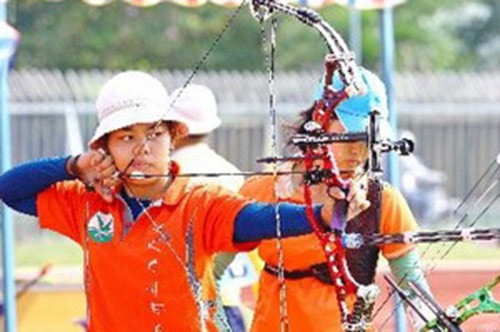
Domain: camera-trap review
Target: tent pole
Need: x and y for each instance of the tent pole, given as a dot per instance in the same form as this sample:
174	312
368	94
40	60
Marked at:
388	46
8	280
355	31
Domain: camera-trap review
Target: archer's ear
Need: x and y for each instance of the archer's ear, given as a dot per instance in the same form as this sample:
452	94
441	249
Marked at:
101	144
176	129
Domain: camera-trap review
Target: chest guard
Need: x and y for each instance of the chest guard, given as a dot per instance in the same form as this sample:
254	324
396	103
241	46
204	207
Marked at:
362	262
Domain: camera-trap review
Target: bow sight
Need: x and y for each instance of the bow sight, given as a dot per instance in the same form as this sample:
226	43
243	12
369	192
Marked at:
376	144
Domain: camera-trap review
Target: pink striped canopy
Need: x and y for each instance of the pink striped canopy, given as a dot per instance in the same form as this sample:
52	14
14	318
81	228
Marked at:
358	4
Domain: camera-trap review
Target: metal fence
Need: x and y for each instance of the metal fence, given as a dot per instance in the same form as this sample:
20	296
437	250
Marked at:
455	117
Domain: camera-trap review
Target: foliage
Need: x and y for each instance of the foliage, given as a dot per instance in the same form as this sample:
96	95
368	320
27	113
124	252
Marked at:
69	34
480	31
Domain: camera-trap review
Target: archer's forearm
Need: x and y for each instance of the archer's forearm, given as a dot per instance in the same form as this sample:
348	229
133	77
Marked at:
257	221
20	186
408	268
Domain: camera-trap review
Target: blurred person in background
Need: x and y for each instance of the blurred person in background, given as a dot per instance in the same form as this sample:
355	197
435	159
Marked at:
196	104
424	187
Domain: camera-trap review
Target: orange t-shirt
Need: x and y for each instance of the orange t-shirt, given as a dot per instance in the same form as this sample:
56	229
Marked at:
311	304
146	279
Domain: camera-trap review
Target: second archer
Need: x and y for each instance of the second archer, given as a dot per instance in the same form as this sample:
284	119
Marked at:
303	295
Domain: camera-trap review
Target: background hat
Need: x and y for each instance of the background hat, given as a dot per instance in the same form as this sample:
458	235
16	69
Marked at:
130	98
196	105
353	112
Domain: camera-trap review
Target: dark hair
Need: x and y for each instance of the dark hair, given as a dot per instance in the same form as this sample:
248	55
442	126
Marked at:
298	127
175	129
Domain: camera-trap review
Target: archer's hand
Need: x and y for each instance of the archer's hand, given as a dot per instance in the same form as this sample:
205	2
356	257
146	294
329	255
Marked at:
96	169
356	196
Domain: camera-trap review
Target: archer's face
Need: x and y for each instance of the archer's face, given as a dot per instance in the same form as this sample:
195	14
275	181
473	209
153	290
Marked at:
349	156
147	146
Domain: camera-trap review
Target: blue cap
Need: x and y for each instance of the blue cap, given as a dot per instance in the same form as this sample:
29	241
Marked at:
353	112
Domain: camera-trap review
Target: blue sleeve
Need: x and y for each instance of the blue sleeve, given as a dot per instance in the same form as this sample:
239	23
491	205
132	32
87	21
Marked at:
20	186
257	221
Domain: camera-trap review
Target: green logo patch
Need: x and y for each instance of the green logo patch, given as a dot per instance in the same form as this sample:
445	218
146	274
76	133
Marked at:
100	227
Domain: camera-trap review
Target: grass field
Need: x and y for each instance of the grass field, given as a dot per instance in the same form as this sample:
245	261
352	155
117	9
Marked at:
57	251
60	251
464	251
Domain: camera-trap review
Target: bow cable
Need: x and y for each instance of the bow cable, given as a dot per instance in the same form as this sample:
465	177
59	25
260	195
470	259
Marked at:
463	212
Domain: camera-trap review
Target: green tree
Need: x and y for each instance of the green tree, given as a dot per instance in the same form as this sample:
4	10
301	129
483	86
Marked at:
70	34
479	28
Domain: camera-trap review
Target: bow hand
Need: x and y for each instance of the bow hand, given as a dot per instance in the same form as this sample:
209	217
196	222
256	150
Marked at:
357	197
343	203
97	170
350	201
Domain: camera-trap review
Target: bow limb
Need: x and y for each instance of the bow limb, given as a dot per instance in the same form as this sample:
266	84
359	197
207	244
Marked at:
462	311
486	303
339	52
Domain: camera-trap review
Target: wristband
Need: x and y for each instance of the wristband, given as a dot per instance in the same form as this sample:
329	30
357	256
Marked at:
72	168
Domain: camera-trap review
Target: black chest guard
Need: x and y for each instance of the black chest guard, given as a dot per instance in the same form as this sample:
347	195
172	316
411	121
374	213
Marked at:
362	262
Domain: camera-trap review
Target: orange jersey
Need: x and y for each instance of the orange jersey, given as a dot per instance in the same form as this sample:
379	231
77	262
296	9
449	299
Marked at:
158	276
312	305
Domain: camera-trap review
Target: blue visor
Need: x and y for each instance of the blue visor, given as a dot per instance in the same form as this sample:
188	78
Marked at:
354	112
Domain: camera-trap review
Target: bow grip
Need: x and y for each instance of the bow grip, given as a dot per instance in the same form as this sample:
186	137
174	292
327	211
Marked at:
339	216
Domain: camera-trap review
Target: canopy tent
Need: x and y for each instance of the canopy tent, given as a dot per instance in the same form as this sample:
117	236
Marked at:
357	4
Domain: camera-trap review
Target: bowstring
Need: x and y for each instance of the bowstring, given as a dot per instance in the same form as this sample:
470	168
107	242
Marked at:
270	60
445	248
194	72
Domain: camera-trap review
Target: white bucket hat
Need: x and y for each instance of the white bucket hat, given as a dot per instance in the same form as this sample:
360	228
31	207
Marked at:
196	105
130	98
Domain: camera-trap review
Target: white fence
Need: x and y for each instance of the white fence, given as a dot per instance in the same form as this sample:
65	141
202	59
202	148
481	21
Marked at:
455	117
